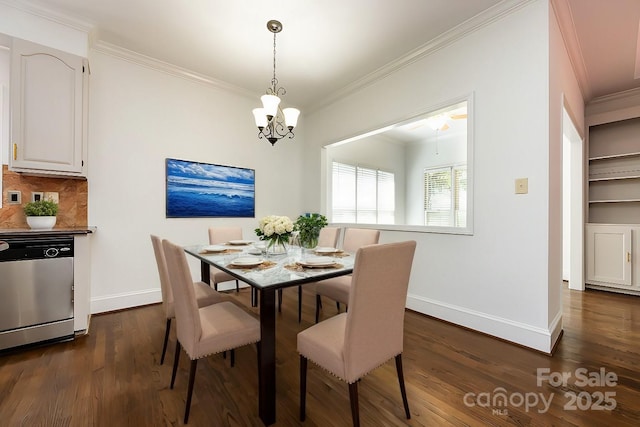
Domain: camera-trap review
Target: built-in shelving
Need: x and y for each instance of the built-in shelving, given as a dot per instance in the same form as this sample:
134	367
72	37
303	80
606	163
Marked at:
614	172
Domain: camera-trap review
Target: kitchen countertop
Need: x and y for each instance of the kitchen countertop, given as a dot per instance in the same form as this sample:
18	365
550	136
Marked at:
25	232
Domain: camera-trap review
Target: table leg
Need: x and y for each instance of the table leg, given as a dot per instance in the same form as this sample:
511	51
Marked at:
267	372
205	273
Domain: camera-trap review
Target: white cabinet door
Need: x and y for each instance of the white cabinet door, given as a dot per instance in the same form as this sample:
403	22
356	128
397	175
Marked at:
609	254
46	110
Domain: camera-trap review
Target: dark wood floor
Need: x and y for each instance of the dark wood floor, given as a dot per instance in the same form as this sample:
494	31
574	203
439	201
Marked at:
112	377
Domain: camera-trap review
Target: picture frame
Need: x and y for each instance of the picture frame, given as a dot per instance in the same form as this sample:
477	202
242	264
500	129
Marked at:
200	190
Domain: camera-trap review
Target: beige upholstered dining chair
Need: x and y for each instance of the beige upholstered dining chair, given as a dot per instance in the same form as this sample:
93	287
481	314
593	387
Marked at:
217	236
337	288
370	333
206	330
328	238
205	295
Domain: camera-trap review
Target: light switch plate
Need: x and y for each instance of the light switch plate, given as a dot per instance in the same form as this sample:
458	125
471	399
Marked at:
522	185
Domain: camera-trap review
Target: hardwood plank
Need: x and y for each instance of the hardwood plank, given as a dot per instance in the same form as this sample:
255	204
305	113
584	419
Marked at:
112	376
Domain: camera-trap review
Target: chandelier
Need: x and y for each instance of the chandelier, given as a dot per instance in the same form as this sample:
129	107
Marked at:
272	122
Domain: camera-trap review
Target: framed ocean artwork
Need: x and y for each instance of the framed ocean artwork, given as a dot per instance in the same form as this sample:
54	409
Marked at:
196	189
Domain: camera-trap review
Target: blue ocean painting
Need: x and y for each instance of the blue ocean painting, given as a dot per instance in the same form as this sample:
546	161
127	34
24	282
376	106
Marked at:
206	190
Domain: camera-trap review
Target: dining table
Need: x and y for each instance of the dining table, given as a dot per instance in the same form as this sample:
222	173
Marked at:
267	273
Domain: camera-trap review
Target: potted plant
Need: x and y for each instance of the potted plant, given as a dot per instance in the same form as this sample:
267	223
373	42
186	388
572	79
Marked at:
41	214
308	227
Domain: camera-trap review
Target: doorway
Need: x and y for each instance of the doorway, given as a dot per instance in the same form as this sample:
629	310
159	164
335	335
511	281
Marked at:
572	204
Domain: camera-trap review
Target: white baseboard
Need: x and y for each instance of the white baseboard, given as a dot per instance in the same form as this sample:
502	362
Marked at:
540	339
125	300
138	298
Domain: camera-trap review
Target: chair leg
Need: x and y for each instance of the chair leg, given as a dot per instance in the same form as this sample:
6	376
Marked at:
318	304
176	357
303	387
279	300
192	378
299	304
233	357
353	398
215	286
403	391
237	287
166	340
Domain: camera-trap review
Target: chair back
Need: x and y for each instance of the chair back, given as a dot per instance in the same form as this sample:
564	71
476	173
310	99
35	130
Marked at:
377	300
165	287
219	235
355	238
189	328
328	237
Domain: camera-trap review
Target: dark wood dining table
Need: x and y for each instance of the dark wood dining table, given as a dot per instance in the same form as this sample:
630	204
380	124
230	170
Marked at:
276	272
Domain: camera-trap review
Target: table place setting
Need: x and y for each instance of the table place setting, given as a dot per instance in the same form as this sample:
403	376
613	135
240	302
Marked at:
315	262
249	263
218	250
334	252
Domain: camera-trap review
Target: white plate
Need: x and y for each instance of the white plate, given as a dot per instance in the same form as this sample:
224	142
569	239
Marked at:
326	250
239	242
248	261
254	251
214	248
317	261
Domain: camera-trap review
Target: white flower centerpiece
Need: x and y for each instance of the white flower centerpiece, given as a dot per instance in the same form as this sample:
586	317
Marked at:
276	230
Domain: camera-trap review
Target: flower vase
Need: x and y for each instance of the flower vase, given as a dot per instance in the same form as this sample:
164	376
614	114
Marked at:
276	246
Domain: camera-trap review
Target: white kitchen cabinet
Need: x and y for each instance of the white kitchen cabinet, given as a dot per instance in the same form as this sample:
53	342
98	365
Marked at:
612	257
48	111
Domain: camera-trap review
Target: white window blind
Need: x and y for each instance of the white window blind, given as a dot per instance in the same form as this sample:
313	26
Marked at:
344	193
445	196
362	195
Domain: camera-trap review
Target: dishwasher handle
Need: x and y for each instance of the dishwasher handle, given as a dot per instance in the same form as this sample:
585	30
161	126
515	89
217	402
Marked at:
3	245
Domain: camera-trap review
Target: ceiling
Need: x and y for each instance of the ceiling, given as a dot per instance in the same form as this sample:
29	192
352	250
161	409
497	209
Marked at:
329	46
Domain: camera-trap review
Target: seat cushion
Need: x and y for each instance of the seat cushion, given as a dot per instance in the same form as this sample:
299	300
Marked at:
219	276
224	326
323	344
336	288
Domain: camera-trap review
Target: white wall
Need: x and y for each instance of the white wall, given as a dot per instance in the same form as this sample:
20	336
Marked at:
496	280
137	118
564	94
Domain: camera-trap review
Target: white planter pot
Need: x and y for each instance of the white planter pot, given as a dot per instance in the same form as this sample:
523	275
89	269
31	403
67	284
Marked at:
41	222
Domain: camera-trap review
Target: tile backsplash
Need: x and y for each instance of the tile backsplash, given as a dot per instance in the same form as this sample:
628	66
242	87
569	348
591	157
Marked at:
72	196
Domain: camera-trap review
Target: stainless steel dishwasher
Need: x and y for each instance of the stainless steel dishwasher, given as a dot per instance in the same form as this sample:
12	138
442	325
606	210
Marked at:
36	290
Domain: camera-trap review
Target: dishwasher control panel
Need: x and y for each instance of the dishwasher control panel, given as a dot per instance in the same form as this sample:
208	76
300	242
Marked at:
16	249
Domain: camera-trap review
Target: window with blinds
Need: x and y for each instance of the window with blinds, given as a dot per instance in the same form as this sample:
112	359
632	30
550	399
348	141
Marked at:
362	195
445	196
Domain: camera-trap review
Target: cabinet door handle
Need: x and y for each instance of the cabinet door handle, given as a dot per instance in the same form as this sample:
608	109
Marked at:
628	256
15	151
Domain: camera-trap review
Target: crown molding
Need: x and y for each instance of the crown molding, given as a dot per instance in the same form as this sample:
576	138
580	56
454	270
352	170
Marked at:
165	67
614	107
50	15
564	17
473	24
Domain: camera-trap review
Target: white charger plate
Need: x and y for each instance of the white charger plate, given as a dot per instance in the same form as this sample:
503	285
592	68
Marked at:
318	261
326	250
214	248
239	242
248	261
